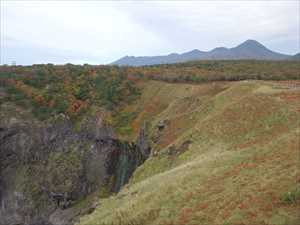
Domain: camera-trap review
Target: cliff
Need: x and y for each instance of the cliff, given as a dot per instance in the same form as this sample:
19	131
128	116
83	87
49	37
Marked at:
46	168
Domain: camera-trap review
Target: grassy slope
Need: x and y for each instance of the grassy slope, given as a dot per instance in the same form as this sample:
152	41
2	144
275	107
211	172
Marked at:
243	159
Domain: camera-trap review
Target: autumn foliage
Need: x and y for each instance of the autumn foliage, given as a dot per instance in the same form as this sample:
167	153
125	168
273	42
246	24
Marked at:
74	89
68	89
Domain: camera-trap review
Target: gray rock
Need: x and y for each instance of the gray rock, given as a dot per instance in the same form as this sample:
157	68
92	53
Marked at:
25	160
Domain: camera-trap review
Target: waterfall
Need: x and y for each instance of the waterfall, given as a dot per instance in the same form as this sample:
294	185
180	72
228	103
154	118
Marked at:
129	158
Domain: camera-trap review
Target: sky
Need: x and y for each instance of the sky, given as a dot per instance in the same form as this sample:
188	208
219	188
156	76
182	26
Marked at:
99	32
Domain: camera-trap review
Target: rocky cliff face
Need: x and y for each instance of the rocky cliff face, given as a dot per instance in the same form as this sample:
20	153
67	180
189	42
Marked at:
48	168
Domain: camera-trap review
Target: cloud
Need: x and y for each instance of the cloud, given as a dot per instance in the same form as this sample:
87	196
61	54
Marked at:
89	28
100	31
207	24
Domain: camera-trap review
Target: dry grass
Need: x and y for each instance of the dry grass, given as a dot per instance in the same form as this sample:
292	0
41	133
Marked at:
243	159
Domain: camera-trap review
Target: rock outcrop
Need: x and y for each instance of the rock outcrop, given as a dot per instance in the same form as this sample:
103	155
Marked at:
46	169
142	141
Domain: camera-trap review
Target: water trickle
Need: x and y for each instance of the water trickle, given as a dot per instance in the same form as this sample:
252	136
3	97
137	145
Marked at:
129	158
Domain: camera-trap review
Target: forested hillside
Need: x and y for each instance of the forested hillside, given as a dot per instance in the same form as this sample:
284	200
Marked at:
70	89
203	71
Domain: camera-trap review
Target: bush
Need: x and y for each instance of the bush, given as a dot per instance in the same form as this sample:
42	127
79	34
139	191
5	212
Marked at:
42	112
292	196
61	105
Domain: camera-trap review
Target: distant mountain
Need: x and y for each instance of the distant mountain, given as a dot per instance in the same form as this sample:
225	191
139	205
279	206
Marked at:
294	57
249	49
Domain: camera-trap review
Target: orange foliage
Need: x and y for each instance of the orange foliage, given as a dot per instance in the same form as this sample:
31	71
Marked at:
76	106
132	78
40	100
27	90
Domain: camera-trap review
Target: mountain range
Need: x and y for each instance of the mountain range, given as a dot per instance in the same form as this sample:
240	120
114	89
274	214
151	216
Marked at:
249	49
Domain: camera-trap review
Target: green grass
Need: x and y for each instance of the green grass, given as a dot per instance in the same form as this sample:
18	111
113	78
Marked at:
122	122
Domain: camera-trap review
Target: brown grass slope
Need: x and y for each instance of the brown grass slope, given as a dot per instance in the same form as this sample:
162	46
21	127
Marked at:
229	154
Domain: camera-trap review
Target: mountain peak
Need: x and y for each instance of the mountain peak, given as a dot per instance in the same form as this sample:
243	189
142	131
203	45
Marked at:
252	44
251	41
195	51
219	49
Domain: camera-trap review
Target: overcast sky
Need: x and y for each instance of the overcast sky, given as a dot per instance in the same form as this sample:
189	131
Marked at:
99	32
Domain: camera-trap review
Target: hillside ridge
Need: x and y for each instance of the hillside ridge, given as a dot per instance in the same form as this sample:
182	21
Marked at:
250	49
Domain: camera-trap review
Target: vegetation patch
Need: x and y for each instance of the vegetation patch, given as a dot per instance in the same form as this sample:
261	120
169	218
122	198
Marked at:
291	197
